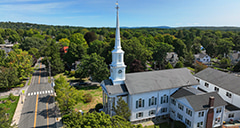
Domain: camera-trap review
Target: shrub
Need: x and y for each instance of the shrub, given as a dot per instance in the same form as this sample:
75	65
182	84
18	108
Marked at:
12	97
72	73
8	102
87	98
66	72
98	106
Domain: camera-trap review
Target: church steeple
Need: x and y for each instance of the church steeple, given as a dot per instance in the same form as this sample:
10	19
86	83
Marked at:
117	67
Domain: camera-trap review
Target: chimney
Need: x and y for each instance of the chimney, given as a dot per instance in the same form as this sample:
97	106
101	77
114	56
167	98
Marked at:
210	113
211	101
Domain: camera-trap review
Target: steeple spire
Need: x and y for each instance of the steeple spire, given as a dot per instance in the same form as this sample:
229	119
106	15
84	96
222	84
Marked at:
117	36
117	67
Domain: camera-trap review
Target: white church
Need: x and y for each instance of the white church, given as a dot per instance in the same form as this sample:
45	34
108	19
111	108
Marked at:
204	100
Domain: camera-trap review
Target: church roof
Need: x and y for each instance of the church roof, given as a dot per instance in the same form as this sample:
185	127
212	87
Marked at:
158	80
201	102
186	91
224	80
114	89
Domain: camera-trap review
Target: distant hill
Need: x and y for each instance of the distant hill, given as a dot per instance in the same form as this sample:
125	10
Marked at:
20	25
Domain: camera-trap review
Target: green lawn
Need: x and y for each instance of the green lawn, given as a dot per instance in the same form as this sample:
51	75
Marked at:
10	109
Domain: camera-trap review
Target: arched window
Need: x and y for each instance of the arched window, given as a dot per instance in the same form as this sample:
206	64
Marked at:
140	103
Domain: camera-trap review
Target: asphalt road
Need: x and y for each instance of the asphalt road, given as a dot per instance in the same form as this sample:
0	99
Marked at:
39	108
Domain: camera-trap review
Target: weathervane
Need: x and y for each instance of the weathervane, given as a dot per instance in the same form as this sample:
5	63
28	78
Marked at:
117	5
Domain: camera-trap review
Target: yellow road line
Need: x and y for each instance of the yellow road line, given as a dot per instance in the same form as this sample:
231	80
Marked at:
39	73
35	116
47	111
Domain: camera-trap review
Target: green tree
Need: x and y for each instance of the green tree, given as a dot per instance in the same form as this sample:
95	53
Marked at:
8	77
122	109
92	65
160	52
52	54
1	40
34	52
224	46
22	61
179	64
2	57
66	95
189	59
236	68
64	42
77	48
136	66
225	62
168	66
179	47
32	42
90	36
5	122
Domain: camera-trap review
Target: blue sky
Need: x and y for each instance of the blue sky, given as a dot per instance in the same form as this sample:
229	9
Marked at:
133	13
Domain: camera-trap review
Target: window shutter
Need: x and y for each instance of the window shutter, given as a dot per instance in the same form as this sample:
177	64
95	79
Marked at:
155	100
137	104
143	103
161	100
149	103
137	115
167	99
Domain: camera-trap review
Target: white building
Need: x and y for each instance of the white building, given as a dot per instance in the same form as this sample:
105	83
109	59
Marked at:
173	93
203	58
226	85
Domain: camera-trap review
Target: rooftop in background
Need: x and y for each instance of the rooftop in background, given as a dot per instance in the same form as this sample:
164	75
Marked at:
224	80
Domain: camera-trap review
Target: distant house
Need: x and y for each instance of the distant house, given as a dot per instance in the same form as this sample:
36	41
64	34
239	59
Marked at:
235	57
172	58
203	58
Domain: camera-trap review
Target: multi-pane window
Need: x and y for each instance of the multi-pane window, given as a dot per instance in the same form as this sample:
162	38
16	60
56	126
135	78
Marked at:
152	101
151	112
198	80
216	89
180	106
219	110
173	101
189	112
206	84
231	115
199	124
201	114
217	120
228	94
140	114
140	103
163	110
164	99
179	116
188	122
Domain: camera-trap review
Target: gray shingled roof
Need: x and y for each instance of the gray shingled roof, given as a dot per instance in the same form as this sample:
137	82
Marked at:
224	80
158	80
230	107
201	102
186	91
116	89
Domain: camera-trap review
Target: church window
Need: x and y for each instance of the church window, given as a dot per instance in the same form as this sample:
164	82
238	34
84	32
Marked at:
206	84
173	101
219	110
163	110
140	114
228	94
189	112
200	124
231	115
152	112
200	114
180	106
140	103
164	99
179	116
188	122
216	89
152	101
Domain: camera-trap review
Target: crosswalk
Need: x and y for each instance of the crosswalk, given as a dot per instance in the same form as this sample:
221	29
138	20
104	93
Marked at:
40	92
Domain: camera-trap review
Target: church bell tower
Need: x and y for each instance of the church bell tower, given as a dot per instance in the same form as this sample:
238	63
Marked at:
117	67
